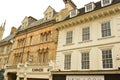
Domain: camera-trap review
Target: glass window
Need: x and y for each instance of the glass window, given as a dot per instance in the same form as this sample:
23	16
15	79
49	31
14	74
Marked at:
8	49
4	63
46	57
85	33
40	58
107	59
67	61
43	57
2	50
106	2
89	7
85	60
69	37
106	30
31	40
73	13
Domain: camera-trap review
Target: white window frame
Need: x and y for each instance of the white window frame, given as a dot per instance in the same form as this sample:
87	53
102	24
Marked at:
92	7
110	1
74	10
67	68
85	35
84	60
104	32
106	58
69	37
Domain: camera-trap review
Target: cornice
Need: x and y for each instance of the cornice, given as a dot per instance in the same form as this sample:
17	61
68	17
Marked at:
35	28
91	16
87	72
4	55
5	43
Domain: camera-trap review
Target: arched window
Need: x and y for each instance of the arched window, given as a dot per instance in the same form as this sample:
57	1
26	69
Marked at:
19	57
43	56
31	40
42	37
46	56
39	56
27	59
49	36
15	59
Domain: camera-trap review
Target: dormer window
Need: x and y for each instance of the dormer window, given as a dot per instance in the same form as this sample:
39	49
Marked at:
105	2
73	13
89	7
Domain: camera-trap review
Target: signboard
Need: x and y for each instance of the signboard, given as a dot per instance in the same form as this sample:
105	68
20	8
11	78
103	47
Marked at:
37	69
86	77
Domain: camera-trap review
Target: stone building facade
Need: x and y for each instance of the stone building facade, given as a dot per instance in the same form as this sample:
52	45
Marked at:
33	49
89	43
5	49
73	44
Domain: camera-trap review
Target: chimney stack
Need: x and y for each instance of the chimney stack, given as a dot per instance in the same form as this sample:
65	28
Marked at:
13	30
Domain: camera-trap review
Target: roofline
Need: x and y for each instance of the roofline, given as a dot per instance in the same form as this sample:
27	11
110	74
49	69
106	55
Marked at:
87	12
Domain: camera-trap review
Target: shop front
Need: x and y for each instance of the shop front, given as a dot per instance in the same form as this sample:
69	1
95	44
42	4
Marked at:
11	76
36	79
2	74
33	73
85	75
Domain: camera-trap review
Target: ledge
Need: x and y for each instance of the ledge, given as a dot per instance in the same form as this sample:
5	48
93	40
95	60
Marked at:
107	37
85	41
68	44
88	72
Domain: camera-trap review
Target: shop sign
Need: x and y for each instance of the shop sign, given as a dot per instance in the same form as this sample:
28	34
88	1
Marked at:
90	77
37	69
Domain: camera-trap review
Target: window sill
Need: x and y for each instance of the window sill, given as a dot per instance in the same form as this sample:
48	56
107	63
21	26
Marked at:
85	41
103	5
107	68
107	37
68	44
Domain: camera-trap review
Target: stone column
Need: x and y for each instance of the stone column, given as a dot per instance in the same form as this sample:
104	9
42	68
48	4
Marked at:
25	76
17	77
5	76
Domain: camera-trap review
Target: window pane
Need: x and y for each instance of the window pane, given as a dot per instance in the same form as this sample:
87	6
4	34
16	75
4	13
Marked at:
89	7
106	30
107	58
67	62
69	37
85	34
85	60
106	2
73	13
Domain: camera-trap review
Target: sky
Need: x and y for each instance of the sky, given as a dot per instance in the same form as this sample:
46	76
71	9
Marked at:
14	11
